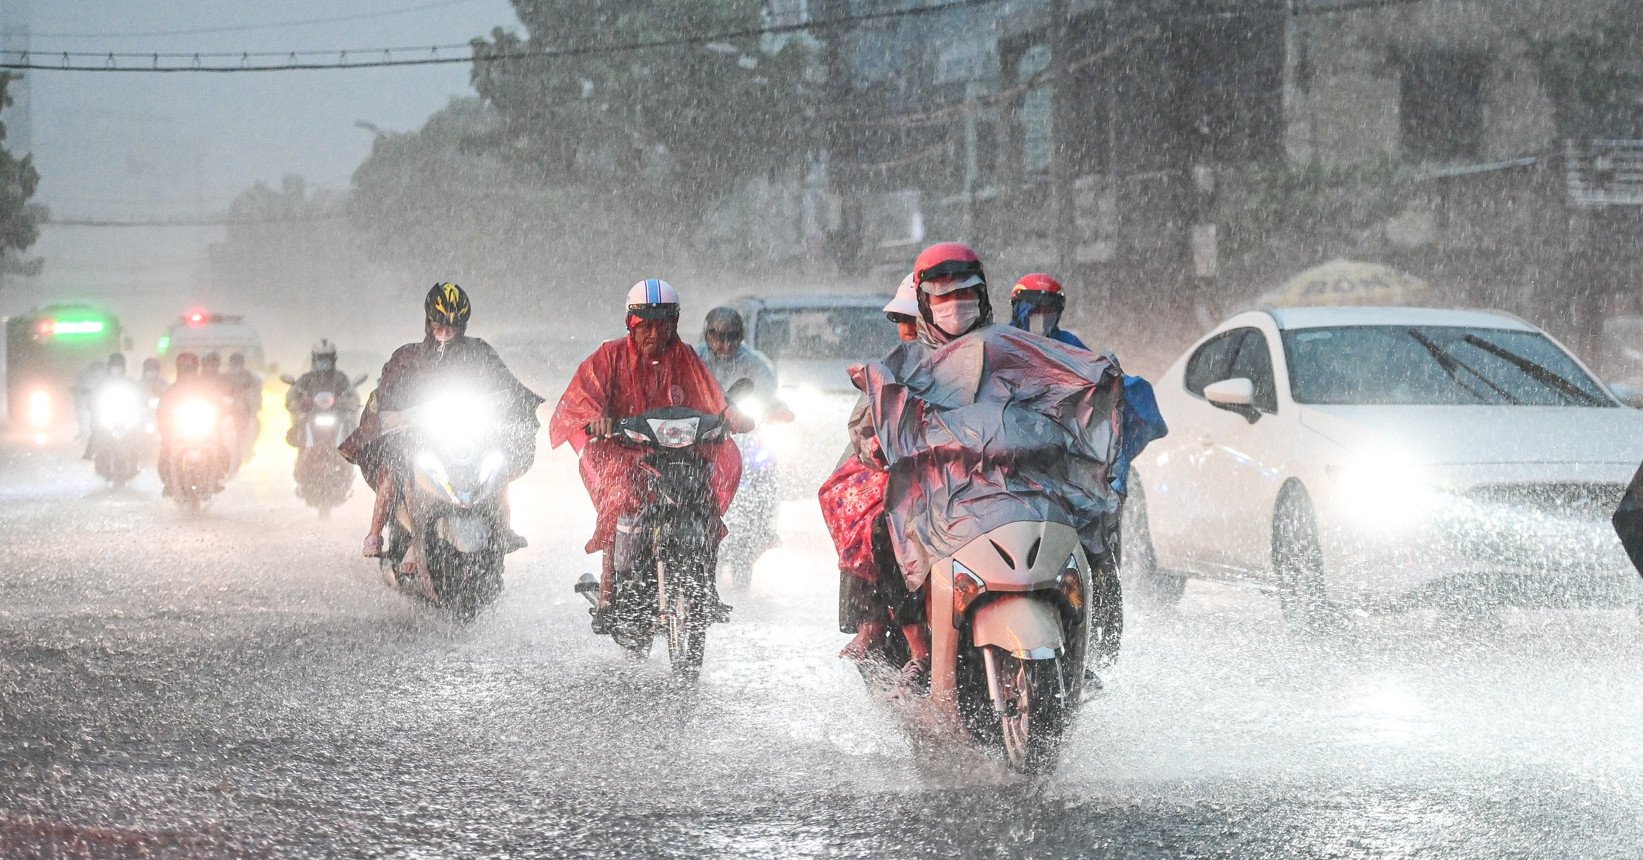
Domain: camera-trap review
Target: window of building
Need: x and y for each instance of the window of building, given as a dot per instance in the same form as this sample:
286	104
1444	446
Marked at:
1441	105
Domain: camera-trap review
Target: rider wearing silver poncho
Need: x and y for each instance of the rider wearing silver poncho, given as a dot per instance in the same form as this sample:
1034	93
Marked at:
989	427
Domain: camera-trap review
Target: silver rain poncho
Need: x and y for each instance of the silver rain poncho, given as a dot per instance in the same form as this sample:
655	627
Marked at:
998	426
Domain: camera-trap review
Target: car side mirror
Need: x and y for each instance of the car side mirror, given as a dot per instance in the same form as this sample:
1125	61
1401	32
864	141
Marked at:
288	379
1234	395
1630	395
738	388
360	379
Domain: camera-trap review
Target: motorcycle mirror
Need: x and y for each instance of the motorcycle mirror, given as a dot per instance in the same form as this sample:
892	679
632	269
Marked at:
739	388
360	379
288	379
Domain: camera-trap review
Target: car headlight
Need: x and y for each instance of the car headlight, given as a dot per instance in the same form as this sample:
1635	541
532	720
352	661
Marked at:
39	408
1385	490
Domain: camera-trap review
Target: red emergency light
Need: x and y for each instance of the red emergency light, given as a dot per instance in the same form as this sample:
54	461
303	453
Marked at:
194	318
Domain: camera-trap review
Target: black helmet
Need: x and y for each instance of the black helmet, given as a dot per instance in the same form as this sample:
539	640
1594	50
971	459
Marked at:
117	362
447	304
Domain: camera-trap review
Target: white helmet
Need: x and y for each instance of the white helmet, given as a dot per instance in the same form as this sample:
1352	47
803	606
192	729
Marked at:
906	300
653	298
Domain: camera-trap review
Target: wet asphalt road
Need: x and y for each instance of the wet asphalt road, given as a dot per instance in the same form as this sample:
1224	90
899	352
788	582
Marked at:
241	684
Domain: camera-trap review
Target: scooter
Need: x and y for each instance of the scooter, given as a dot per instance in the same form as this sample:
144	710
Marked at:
199	453
324	478
664	563
444	546
752	516
121	439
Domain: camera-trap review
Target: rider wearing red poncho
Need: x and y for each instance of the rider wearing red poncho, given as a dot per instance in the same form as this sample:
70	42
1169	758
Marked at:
648	369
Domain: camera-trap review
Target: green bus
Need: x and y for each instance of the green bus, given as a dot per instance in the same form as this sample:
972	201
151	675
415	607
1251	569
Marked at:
46	349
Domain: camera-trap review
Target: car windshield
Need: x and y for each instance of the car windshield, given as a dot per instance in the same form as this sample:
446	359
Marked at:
1435	365
824	334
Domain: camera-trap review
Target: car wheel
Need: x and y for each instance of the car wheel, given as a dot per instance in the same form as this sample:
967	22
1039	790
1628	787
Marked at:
1152	589
1298	560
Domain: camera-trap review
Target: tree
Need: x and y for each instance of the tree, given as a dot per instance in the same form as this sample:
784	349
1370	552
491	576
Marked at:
19	218
443	204
666	131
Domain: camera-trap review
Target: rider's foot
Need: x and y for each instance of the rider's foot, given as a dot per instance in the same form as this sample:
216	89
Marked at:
373	546
511	540
915	675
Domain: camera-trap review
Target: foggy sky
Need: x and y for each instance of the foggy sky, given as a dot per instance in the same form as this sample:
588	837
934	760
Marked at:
178	146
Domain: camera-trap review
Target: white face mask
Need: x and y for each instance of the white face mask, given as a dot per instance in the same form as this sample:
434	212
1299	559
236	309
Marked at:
956	317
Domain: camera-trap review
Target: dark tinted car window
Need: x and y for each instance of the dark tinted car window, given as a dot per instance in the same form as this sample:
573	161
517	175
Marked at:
1212	361
1435	365
1254	363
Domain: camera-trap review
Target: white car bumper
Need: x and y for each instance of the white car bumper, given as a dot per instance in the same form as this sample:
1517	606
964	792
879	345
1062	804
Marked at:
1533	542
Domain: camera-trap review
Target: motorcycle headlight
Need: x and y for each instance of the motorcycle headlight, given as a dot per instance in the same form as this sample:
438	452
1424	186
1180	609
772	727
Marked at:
196	419
966	588
325	420
675	433
117	408
457	418
1071	583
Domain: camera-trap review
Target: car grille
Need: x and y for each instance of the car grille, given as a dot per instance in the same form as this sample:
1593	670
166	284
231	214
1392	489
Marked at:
1546	527
1565	500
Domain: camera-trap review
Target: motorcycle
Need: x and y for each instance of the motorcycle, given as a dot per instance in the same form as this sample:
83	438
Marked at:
664	564
199	453
752	516
121	432
324	478
444	545
1010	630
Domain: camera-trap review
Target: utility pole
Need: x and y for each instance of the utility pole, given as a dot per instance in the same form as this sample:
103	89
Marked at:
15	17
1061	196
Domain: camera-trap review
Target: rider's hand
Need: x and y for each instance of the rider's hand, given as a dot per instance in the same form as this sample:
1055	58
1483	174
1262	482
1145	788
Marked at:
601	428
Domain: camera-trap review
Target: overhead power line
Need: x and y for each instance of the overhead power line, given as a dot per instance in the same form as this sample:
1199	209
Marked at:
434	55
247	28
189	222
416	55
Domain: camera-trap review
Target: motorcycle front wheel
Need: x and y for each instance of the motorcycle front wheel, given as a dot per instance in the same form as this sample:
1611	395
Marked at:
1032	710
686	636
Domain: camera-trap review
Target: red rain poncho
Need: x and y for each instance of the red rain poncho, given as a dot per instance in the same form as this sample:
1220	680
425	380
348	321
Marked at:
617	382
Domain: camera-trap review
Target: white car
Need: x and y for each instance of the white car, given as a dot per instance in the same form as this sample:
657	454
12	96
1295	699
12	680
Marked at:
1384	459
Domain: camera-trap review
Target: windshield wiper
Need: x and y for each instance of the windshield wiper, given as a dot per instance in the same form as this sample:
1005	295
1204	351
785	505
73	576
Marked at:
1536	371
1452	366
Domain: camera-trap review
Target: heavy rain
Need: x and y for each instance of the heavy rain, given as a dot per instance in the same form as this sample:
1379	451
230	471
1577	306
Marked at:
821	428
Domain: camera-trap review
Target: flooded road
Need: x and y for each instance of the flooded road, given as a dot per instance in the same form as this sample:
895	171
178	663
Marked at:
240	683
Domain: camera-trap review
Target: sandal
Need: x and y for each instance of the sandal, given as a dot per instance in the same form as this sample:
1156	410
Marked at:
373	546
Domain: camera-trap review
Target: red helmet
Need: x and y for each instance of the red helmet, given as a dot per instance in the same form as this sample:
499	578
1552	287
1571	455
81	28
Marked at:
946	258
1037	282
1040	291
